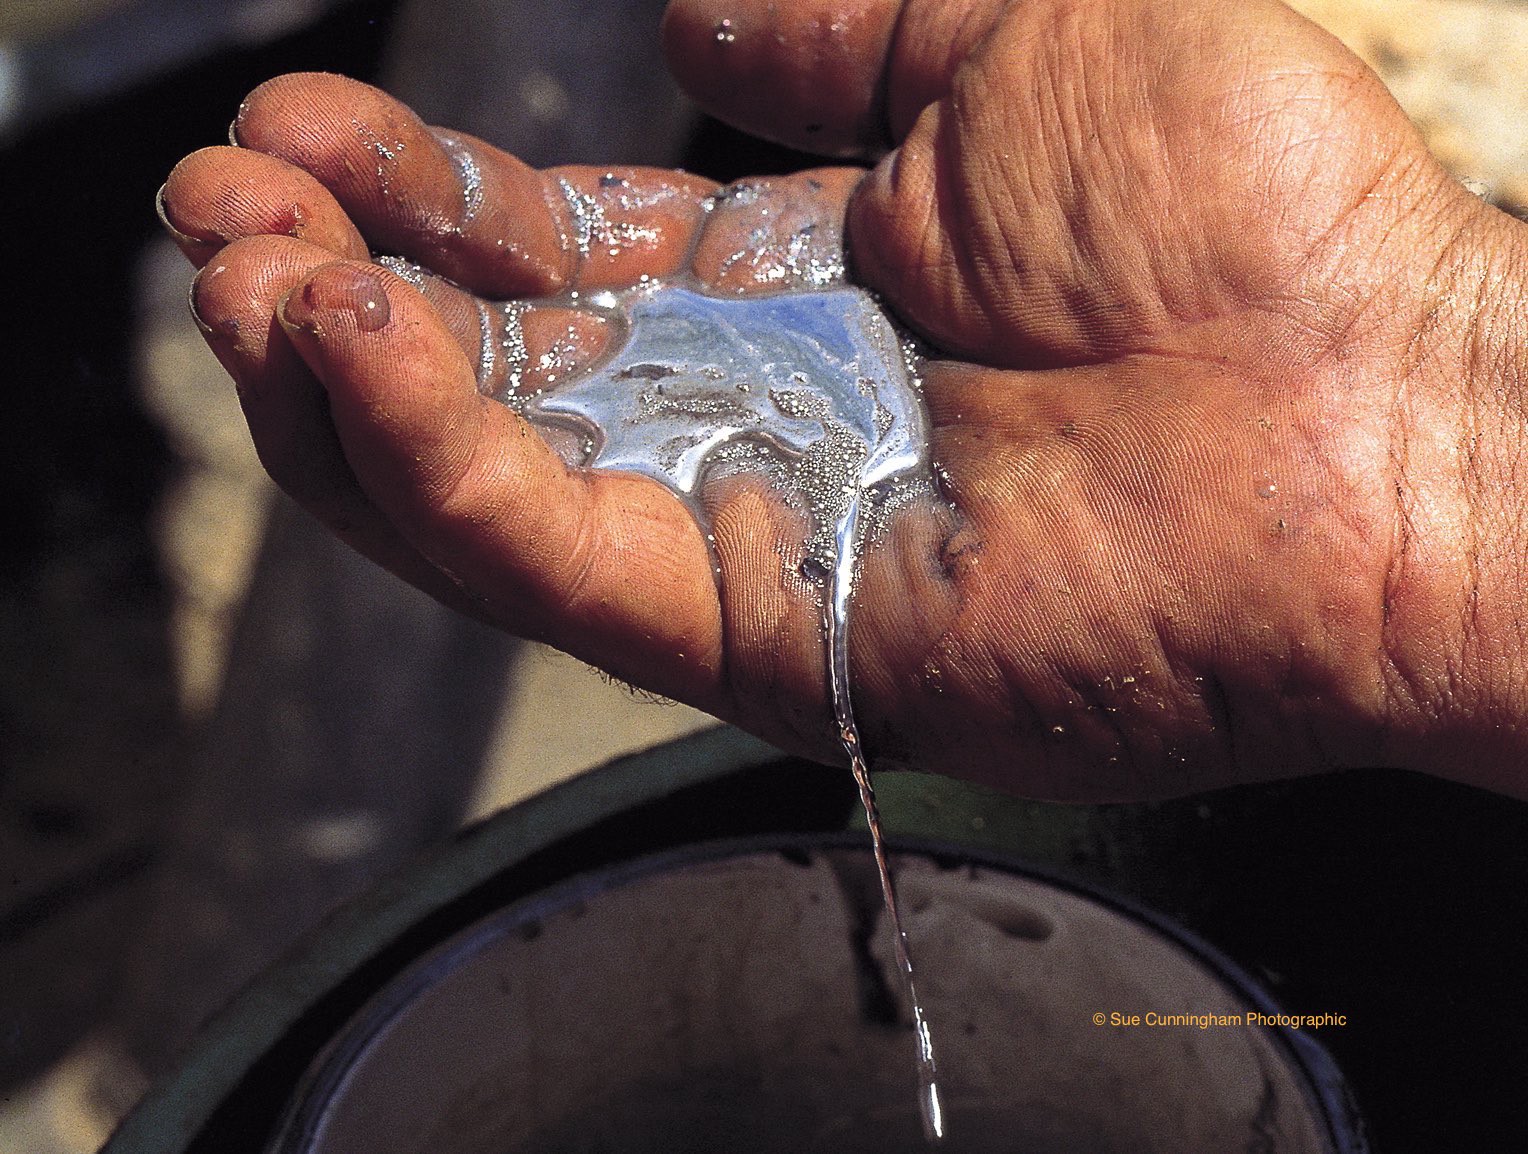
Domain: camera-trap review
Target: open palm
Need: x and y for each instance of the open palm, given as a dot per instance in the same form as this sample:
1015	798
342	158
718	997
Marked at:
1191	272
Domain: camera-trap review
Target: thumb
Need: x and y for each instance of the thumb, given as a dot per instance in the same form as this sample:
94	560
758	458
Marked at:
834	77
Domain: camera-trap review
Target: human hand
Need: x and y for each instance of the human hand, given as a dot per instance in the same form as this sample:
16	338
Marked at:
1230	418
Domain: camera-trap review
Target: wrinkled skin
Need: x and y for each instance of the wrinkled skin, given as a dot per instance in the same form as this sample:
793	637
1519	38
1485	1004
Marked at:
1232	418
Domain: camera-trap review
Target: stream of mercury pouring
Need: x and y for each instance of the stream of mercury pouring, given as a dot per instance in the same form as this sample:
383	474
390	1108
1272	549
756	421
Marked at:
813	387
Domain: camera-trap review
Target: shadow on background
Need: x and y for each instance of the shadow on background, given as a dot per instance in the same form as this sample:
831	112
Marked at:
94	756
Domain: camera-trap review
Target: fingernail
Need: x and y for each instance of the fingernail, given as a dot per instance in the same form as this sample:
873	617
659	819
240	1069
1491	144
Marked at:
164	219
223	337
335	290
191	294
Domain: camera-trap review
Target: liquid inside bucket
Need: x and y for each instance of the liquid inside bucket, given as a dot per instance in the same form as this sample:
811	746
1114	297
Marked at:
749	1003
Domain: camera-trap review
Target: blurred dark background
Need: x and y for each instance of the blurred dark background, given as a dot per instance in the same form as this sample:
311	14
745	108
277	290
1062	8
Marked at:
94	746
214	725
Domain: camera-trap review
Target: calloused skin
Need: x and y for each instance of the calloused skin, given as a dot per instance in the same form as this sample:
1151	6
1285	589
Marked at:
1233	415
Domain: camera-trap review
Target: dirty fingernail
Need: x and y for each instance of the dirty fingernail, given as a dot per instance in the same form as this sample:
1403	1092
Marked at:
226	329
196	314
336	290
164	218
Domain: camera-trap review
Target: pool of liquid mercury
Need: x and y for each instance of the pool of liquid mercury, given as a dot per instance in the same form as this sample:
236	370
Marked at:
814	387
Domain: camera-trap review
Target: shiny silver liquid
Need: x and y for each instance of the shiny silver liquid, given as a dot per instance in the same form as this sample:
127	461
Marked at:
813	387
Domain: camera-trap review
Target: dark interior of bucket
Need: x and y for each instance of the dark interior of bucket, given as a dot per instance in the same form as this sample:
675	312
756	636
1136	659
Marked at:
743	997
1388	898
